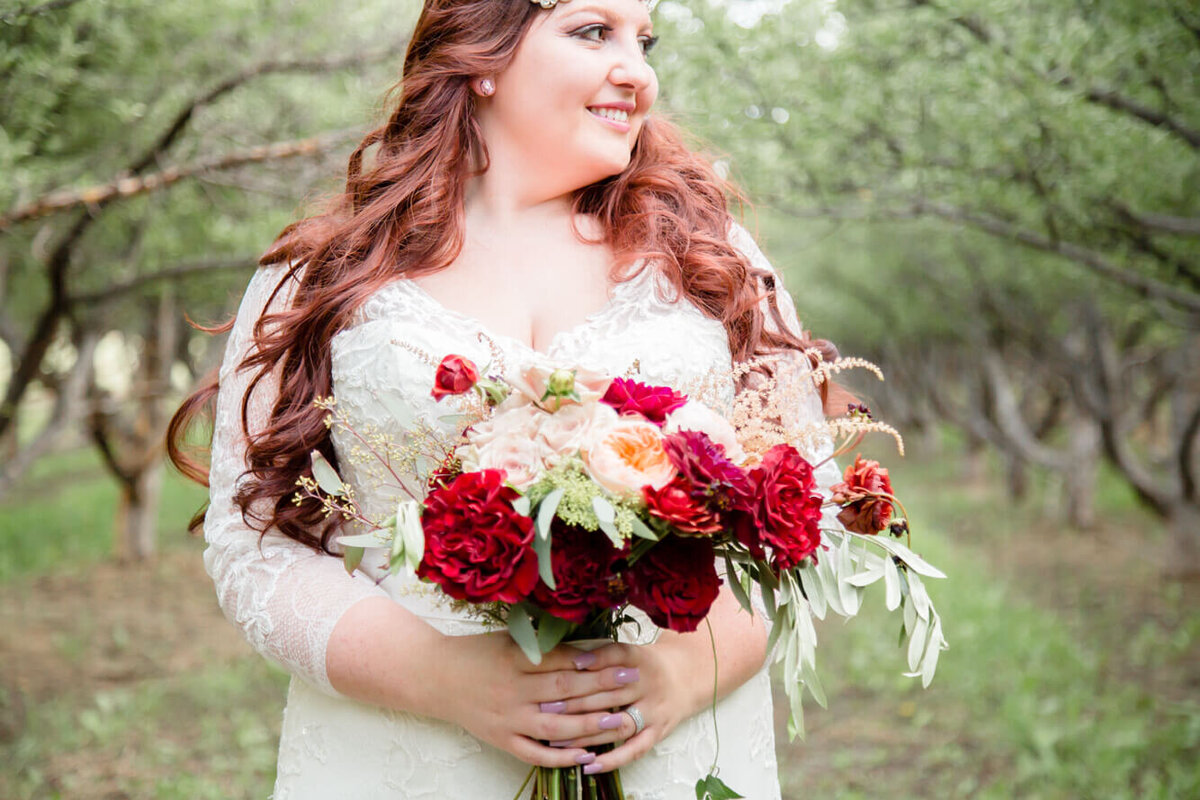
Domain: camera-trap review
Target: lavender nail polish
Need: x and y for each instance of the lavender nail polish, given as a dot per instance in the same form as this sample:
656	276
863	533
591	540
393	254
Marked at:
592	768
611	721
557	707
624	676
584	660
585	759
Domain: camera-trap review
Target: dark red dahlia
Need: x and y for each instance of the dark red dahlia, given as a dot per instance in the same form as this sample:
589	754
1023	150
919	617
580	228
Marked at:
703	462
477	547
675	583
652	402
587	574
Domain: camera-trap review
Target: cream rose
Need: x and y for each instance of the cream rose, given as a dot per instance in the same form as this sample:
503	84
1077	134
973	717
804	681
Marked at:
568	430
695	416
628	455
521	458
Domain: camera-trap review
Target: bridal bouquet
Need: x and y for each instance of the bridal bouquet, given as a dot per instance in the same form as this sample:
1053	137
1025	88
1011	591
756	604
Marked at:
561	498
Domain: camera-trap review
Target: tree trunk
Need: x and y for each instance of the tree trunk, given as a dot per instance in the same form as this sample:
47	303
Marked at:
1016	478
137	515
1079	478
1183	552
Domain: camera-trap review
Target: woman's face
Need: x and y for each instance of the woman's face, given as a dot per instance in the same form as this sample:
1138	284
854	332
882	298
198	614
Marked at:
572	101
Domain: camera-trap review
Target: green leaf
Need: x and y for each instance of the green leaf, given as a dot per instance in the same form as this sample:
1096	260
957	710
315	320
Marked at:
710	787
541	546
326	476
551	630
521	505
520	628
735	586
643	530
352	557
813	589
411	532
891	577
374	538
546	509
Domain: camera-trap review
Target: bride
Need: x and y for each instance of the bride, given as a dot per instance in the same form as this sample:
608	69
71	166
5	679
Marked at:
520	204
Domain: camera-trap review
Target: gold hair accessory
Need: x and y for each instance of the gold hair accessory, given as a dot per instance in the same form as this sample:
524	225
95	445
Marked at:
553	3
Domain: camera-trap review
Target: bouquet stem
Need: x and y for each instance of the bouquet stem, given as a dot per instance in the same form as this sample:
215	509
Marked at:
569	783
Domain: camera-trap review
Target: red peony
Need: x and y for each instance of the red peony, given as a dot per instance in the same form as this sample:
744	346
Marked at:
782	510
455	375
678	504
477	548
675	583
863	497
652	402
586	573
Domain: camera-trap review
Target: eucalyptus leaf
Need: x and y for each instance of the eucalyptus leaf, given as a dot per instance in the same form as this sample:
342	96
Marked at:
735	586
863	579
551	630
813	589
920	598
849	595
936	642
910	614
892	582
916	642
520	628
914	561
541	548
374	538
521	505
813	683
604	510
351	557
546	509
643	530
326	476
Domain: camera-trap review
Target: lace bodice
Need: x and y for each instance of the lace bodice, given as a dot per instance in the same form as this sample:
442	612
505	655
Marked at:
285	597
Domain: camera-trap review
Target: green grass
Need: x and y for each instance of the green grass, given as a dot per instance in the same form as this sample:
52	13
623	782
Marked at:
1061	681
63	514
1031	700
209	735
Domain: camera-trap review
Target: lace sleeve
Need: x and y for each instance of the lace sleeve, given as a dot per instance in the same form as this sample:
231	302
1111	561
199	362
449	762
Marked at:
284	596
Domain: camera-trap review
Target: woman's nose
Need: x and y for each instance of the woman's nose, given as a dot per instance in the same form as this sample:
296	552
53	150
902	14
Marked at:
632	69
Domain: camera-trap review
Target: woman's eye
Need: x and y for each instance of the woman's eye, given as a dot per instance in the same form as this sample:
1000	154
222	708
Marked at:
648	43
586	33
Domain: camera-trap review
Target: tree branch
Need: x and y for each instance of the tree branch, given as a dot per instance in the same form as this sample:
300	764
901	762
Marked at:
1143	285
34	11
118	290
132	186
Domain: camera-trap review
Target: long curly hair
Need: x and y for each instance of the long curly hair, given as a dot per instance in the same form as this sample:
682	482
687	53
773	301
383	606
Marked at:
404	216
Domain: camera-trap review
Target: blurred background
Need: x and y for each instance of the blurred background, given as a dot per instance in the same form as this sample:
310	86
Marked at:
997	201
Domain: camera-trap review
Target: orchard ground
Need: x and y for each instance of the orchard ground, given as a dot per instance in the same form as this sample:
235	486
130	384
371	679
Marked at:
1072	669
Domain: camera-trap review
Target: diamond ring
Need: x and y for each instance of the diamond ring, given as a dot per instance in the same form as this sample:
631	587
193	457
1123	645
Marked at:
639	722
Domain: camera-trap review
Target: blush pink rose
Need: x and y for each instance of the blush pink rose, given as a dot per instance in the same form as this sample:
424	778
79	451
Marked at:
695	416
627	456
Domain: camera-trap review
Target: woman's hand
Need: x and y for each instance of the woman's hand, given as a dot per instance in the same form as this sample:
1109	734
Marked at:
674	681
488	686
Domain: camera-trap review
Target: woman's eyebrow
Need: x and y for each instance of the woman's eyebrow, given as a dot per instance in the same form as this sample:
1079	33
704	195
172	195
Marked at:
602	10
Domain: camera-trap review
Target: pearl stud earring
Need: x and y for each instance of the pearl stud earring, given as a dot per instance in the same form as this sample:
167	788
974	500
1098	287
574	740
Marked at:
486	87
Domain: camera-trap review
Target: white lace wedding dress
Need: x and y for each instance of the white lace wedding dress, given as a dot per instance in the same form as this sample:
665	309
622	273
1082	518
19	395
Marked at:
287	598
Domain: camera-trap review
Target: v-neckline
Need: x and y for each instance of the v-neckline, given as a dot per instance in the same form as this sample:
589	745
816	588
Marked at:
614	292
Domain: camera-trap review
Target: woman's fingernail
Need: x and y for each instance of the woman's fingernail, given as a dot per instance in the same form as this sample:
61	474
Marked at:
585	759
624	676
611	721
557	707
562	743
592	768
584	660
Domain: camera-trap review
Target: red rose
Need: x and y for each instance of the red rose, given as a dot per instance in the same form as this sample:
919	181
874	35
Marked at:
782	510
586	574
680	506
675	583
455	375
652	402
477	548
863	497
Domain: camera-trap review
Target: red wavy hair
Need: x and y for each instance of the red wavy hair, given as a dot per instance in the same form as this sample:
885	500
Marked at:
404	216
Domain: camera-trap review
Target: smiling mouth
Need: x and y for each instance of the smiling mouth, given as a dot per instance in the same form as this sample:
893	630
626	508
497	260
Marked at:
616	115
